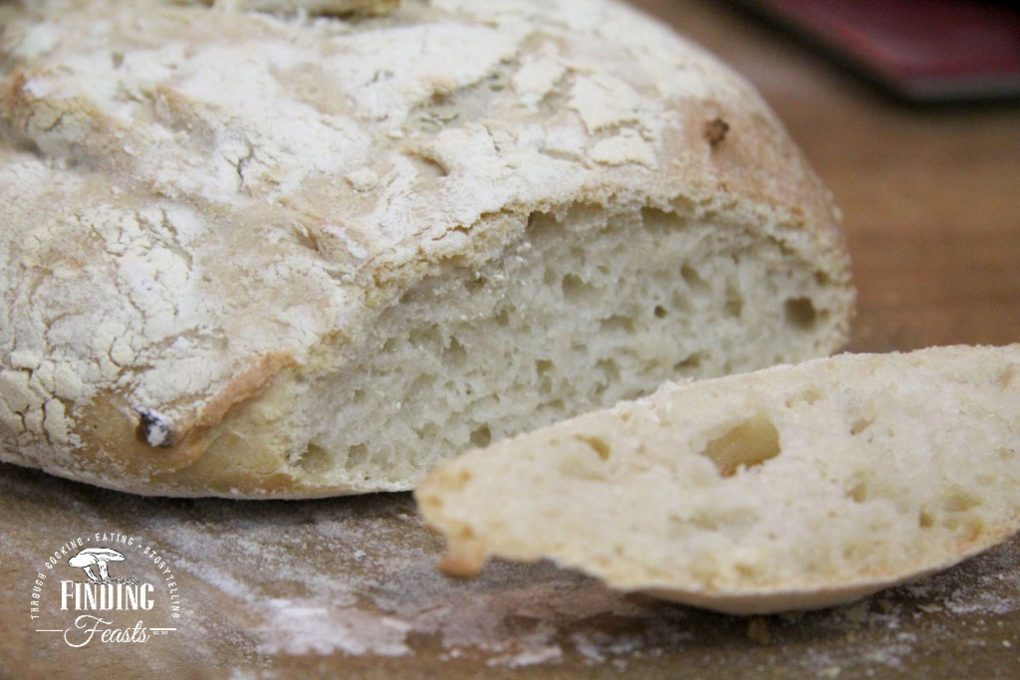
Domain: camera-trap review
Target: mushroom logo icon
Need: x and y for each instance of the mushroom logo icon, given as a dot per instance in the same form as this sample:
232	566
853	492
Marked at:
96	557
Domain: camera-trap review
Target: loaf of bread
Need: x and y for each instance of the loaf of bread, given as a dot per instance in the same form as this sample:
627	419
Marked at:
793	487
270	254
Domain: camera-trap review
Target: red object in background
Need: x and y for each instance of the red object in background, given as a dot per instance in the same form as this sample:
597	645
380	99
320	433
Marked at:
923	50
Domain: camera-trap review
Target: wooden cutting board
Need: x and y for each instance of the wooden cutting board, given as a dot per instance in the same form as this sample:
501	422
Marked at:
346	587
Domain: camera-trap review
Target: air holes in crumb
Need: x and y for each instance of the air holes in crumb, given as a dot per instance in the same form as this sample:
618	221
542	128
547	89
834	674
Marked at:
679	301
356	455
747	445
578	462
542	369
800	313
503	318
315	459
476	283
422	384
925	519
481	436
859	492
574	288
660	312
454	354
599	446
609	368
689	364
705	521
555	406
549	277
959	501
966	527
421	337
746	571
731	520
860	425
808	396
692	277
454	480
610	371
541	226
427	432
1007	377
659	221
617	322
851	552
734	302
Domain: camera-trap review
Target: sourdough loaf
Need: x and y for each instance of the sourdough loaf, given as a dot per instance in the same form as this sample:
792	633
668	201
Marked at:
258	254
793	487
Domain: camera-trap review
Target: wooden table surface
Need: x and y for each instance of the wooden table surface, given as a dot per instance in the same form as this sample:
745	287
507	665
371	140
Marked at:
345	587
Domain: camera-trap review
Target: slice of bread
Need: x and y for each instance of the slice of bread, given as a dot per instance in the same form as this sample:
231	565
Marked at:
794	487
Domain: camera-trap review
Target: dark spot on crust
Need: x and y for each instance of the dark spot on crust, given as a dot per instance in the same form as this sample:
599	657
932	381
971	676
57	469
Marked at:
154	428
715	130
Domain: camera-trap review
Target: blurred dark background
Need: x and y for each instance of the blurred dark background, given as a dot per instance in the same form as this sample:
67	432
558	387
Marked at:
919	51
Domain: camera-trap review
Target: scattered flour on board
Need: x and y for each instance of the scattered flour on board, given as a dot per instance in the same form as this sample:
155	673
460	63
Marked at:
356	577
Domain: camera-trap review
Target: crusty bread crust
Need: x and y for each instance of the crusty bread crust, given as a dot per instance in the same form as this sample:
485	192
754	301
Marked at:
873	470
199	204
